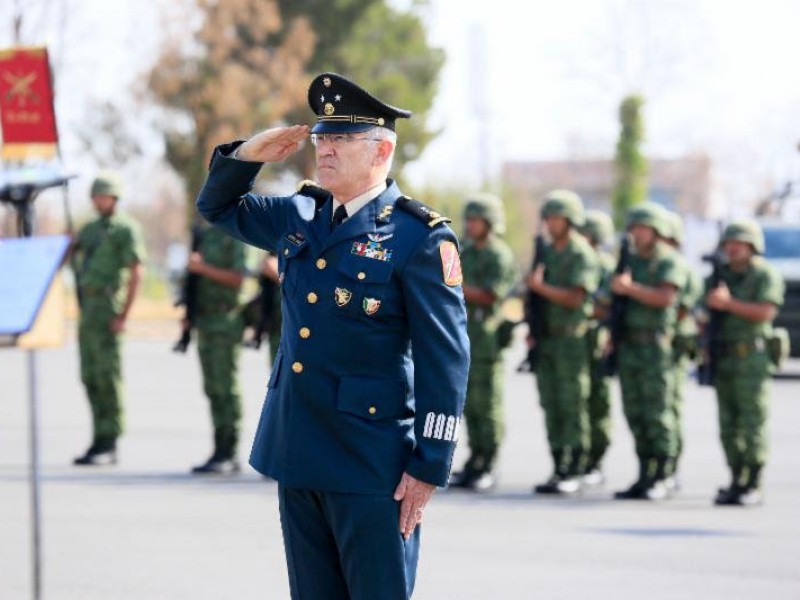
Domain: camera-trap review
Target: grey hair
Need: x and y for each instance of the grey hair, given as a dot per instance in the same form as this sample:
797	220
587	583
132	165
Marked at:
381	133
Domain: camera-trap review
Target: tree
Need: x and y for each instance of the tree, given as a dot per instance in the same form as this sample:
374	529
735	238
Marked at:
630	163
243	69
385	50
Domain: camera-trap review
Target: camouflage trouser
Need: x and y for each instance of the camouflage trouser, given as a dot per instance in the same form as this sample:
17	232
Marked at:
679	381
647	377
101	368
599	399
219	351
484	413
562	376
742	385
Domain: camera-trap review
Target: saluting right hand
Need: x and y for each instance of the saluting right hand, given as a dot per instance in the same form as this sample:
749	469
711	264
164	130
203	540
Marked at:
273	145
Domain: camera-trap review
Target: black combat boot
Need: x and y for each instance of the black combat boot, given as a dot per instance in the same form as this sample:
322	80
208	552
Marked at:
223	460
466	476
570	483
729	495
551	485
102	452
636	491
751	492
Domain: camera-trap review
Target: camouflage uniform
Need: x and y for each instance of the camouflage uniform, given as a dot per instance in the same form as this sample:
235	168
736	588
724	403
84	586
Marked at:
599	229
686	332
743	371
562	372
105	250
646	362
220	328
490	268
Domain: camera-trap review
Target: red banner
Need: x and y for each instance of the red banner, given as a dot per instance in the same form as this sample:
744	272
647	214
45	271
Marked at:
26	97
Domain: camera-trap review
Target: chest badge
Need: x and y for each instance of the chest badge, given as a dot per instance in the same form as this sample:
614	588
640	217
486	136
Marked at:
343	296
371	305
371	250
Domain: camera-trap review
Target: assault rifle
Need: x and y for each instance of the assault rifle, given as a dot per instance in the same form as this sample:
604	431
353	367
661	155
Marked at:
534	312
616	316
709	340
259	313
188	297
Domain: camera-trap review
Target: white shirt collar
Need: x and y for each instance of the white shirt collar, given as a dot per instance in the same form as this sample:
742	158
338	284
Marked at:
360	201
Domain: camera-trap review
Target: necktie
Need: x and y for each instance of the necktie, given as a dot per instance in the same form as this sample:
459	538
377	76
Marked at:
339	215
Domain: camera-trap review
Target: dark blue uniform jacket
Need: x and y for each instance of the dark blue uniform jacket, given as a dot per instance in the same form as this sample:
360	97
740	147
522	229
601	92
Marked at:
348	408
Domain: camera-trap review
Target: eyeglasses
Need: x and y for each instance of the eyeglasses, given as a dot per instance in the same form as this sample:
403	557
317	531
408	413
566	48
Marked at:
338	139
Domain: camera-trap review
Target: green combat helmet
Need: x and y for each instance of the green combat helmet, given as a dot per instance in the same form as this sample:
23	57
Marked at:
599	227
489	208
745	230
652	215
675	223
107	184
564	203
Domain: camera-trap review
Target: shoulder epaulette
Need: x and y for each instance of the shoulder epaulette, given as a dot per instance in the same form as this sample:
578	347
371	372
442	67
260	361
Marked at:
422	212
312	190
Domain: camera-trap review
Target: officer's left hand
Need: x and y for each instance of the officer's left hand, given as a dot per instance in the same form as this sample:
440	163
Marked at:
413	495
719	298
117	325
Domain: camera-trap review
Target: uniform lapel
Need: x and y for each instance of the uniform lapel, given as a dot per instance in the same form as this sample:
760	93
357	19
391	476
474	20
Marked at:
364	221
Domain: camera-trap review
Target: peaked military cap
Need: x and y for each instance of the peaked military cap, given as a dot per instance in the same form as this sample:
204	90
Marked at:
342	106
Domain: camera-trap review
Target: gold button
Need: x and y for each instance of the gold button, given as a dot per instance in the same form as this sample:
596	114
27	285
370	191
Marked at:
312	298
321	263
286	252
361	275
297	367
305	333
372	410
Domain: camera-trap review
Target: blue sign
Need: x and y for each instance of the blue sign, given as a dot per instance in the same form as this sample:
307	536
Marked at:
27	266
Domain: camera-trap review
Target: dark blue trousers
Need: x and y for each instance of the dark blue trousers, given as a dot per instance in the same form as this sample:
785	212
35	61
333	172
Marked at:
346	546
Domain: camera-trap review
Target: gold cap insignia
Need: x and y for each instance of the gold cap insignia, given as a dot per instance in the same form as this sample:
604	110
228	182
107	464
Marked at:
328	109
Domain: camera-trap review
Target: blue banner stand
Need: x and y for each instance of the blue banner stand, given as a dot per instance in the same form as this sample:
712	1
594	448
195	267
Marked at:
30	318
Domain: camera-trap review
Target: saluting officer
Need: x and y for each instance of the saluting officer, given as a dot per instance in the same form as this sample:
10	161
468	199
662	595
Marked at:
646	365
220	264
749	298
599	231
108	260
566	280
367	390
489	276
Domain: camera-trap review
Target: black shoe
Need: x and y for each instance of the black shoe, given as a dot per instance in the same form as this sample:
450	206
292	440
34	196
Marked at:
548	487
485	482
462	479
218	466
728	496
97	458
635	492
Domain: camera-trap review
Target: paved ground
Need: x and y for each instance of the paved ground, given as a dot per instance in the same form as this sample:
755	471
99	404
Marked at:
146	530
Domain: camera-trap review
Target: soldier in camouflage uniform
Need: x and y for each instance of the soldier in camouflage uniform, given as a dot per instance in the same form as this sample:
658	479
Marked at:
566	280
599	231
749	298
646	362
108	256
685	342
489	276
220	263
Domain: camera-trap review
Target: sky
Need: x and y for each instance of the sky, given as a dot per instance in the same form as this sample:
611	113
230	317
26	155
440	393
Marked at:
537	80
542	80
